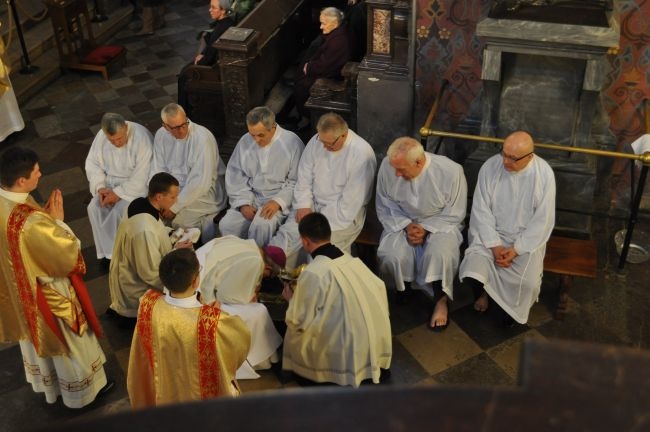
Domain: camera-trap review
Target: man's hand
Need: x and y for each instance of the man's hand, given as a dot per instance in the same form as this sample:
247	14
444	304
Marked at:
287	291
248	212
54	205
198	58
269	209
415	234
504	256
168	214
107	198
301	213
187	244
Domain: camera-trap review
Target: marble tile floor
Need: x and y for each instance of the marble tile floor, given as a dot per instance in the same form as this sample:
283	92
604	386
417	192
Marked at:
474	350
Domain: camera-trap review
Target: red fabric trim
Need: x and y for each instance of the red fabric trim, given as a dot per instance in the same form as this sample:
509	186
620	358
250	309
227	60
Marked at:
144	324
207	351
86	304
103	54
47	314
15	224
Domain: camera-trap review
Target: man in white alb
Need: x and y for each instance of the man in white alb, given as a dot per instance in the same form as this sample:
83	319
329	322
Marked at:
117	168
513	213
189	152
421	203
260	178
335	178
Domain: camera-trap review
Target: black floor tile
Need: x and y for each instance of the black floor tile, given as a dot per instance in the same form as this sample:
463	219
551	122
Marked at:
477	370
486	329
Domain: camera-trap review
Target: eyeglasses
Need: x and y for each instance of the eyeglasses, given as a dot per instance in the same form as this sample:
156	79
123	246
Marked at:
327	144
513	158
176	128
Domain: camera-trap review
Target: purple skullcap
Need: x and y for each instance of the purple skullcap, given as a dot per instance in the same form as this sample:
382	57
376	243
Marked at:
276	254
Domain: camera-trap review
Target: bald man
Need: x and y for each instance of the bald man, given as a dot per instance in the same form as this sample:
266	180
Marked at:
513	213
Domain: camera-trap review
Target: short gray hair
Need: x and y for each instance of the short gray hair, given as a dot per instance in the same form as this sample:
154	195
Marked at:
332	14
225	4
261	114
407	146
332	122
112	123
171	110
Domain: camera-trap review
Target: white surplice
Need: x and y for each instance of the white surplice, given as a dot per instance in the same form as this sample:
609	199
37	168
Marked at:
338	329
511	209
336	184
140	244
10	120
125	170
196	164
435	199
231	272
256	175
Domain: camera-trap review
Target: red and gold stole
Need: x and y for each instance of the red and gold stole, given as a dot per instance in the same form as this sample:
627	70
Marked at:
206	327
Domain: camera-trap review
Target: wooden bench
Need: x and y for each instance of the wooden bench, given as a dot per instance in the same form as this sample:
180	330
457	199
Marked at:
565	256
569	257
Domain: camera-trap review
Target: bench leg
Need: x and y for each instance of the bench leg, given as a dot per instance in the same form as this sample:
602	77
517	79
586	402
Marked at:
563	302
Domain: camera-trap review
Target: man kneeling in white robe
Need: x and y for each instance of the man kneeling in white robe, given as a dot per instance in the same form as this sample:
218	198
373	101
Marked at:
338	329
232	273
513	213
421	203
117	168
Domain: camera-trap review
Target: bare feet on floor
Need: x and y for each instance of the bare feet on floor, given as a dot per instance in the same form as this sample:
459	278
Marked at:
439	319
481	304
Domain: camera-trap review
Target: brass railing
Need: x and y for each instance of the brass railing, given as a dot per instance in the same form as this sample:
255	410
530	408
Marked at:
644	158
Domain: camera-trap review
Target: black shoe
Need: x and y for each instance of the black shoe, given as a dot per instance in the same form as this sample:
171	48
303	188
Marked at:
111	313
402	297
508	322
110	385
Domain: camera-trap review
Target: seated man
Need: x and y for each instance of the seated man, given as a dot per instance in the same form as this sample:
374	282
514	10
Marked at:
327	60
260	178
189	152
335	178
337	322
183	350
513	213
117	168
421	202
232	273
142	240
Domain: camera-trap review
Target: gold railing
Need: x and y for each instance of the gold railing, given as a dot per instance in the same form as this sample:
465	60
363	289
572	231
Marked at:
426	132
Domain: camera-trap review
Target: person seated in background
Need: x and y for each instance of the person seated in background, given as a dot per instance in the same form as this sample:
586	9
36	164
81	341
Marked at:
338	330
206	53
189	152
241	8
260	178
141	242
232	273
183	350
326	62
117	167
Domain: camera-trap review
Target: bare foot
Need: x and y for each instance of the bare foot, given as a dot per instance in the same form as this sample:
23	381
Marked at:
481	304
439	317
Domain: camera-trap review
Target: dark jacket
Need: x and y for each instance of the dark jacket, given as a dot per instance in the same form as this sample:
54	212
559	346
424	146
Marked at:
331	55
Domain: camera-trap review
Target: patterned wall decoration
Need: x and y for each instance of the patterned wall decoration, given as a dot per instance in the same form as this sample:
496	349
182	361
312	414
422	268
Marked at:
447	48
381	32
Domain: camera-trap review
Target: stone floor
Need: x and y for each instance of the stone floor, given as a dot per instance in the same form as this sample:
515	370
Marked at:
475	350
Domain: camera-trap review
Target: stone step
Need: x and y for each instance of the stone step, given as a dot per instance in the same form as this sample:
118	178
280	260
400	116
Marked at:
42	51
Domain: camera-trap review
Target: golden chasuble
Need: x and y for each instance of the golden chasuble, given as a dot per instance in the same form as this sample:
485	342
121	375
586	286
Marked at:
182	354
37	247
4	70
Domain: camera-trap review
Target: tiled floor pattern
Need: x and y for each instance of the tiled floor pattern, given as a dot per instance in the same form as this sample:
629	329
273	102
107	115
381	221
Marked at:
474	350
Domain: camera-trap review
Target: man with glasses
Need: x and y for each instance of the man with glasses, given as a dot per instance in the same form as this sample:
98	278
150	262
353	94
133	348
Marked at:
117	167
260	178
335	178
421	203
513	213
189	152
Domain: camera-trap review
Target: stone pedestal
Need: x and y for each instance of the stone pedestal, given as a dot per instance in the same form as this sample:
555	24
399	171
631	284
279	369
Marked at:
545	78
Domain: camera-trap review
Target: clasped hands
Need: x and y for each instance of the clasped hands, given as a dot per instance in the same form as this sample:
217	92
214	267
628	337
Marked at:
107	198
415	234
268	210
503	256
54	205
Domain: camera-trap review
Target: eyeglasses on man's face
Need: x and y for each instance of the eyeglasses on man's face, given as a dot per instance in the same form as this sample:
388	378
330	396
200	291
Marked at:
329	144
177	128
514	159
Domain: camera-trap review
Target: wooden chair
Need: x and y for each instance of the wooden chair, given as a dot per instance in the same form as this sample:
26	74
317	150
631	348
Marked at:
75	41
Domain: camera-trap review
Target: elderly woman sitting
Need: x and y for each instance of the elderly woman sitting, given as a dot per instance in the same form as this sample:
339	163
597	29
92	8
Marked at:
326	62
